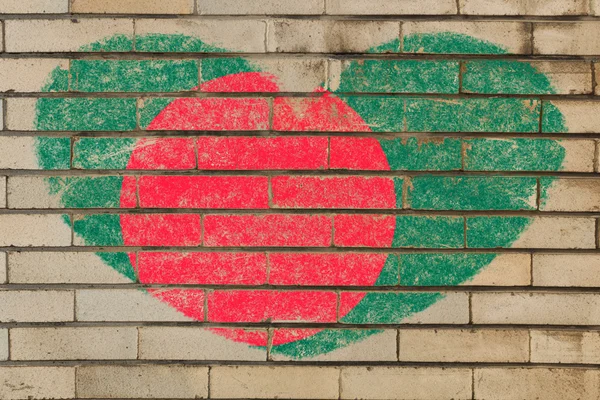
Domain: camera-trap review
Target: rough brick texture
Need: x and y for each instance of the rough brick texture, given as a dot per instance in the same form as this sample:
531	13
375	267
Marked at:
318	199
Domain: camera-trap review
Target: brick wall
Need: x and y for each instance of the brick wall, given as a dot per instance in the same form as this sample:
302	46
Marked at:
379	199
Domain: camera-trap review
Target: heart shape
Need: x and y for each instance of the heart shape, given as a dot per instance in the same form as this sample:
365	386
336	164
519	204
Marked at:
327	112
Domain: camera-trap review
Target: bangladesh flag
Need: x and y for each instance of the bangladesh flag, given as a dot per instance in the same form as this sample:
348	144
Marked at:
269	204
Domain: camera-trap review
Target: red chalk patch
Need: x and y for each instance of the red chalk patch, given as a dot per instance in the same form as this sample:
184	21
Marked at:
204	192
166	268
275	230
260	153
324	113
333	192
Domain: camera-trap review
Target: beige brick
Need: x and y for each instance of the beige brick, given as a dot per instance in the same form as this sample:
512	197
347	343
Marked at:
536	383
133	6
233	35
36	306
28	74
574	347
391	7
32	192
572	194
453	308
512	36
558	233
324	36
567	77
123	305
34	6
261	7
3	189
25	383
34	230
536	308
580	116
295	75
597	163
61	267
81	343
524	7
464	345
405	383
250	382
378	347
595	7
18	152
3	268
193	343
61	35
504	270
566	270
566	38
3	344
579	155
142	381
21	115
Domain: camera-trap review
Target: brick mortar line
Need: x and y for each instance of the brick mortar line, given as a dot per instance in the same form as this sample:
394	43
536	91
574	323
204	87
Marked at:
10	287
137	56
262	134
330	364
310	211
311	17
265	326
406	250
301	95
299	325
93	173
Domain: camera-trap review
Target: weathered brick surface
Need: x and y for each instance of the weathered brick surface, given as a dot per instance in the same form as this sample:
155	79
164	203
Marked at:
3	344
524	7
144	381
89	343
126	305
320	199
561	195
395	7
233	35
322	36
36	306
27	75
60	267
63	35
513	36
261	7
19	152
405	383
3	268
580	116
242	382
536	308
568	38
461	345
34	230
192	343
520	383
566	270
132	7
22	383
566	346
34	7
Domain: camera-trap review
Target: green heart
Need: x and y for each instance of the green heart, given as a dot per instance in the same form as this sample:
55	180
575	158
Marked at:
409	114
